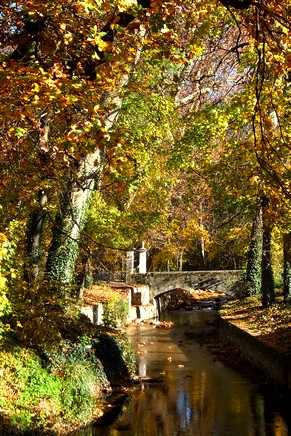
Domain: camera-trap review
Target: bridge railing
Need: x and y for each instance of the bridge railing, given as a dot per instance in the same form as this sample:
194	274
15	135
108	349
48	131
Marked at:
110	276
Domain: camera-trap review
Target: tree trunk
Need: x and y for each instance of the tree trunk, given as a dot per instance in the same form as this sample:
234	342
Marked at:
37	217
70	221
202	240
287	267
268	288
34	235
254	262
180	261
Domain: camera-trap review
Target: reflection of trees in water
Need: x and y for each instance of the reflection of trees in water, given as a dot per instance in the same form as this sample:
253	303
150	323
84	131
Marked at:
202	398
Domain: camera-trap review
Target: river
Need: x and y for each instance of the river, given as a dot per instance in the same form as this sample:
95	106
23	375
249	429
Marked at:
185	390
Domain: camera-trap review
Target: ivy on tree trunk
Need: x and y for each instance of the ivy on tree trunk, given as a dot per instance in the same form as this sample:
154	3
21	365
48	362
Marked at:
268	287
254	262
287	267
70	221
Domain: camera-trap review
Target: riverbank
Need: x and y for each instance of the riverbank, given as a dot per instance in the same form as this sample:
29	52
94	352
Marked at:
55	388
271	325
253	340
34	385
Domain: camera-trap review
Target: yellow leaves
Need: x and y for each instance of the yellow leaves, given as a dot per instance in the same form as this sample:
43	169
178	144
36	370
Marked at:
124	5
3	255
16	132
13	273
71	99
96	39
88	5
35	99
2	284
102	45
11	131
196	50
235	233
88	126
254	180
36	88
68	37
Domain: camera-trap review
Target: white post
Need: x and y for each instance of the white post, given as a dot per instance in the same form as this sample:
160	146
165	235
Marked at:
129	262
142	259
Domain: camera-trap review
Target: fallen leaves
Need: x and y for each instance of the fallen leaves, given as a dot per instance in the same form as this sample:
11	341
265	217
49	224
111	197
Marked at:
164	325
272	325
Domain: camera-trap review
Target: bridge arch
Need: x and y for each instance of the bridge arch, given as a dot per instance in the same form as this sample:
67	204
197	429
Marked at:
227	281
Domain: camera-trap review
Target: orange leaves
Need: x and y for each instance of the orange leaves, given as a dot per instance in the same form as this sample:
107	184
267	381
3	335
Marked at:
156	4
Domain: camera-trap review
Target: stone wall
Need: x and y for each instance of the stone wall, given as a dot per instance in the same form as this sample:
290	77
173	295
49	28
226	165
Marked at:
258	353
226	281
139	306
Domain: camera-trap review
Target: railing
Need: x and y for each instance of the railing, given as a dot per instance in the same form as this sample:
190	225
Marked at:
110	276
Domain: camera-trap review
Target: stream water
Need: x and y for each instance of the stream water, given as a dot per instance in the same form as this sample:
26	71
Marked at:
186	391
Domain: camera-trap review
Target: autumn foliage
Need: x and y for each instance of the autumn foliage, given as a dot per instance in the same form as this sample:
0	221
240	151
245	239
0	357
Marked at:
135	121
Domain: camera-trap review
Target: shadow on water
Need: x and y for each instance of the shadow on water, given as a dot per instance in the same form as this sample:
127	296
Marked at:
186	390
117	405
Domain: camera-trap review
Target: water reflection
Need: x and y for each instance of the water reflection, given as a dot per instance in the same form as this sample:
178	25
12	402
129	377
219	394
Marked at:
187	392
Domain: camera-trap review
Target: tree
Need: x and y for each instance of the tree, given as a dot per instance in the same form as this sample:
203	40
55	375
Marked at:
254	259
268	293
68	62
287	267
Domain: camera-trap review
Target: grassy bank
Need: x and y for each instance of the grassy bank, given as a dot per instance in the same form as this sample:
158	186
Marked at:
54	389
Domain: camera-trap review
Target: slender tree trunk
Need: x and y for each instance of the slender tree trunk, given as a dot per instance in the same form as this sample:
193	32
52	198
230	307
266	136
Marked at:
34	236
254	262
37	217
287	267
268	288
180	261
202	241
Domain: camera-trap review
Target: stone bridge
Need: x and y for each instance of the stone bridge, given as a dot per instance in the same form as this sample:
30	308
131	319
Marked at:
227	281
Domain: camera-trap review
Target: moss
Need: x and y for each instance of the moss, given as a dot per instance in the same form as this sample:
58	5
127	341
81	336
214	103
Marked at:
58	384
38	396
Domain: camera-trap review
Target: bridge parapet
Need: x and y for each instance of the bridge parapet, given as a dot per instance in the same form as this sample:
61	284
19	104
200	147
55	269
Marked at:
226	281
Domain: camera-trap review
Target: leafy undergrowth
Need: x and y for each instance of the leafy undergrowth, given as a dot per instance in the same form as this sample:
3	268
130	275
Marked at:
56	387
271	325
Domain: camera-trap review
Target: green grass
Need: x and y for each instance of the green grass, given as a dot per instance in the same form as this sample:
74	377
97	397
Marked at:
35	396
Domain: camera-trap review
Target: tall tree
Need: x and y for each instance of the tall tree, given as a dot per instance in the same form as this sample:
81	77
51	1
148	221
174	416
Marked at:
268	291
287	267
254	257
